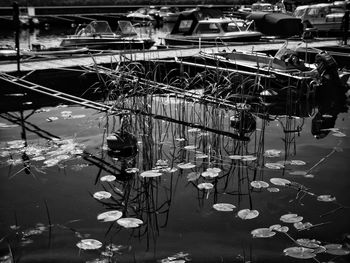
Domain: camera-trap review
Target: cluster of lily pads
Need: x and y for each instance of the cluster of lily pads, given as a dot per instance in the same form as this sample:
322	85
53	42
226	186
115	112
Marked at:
50	153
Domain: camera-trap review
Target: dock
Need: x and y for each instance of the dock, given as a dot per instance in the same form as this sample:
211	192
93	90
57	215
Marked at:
147	55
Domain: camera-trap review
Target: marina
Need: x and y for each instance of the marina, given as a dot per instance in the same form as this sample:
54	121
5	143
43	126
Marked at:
213	152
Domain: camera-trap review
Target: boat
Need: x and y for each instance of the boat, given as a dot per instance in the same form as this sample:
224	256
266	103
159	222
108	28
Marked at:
279	74
7	52
276	24
195	27
98	35
39	50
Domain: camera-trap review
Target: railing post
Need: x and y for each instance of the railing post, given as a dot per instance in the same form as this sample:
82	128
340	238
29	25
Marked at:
16	25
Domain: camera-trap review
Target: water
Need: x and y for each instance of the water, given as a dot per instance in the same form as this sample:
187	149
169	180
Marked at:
52	191
48	180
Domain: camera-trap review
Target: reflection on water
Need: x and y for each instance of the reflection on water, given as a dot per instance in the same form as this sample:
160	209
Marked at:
193	160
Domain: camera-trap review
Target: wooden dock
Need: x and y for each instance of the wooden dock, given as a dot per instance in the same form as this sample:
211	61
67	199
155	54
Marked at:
115	57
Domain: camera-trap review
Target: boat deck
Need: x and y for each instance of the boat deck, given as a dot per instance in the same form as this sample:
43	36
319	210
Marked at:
119	56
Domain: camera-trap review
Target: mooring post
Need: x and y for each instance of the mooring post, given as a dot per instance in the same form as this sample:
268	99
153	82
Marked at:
16	25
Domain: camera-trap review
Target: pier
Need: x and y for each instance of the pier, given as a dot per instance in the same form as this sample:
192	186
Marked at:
108	57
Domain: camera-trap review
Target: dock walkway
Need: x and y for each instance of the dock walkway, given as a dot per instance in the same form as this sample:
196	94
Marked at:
115	57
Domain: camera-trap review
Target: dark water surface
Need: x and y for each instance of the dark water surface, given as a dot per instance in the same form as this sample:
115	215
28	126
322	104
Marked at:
47	203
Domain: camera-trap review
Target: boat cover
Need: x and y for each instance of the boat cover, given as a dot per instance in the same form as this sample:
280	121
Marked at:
276	24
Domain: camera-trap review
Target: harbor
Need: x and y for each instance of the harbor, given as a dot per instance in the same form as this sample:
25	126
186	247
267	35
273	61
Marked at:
175	141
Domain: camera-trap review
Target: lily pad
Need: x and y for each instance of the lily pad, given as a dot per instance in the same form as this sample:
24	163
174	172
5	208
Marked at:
150	174
186	166
297	162
291	218
273	189
309	243
201	156
280	181
262	233
326	198
259	184
129	222
205	186
339	134
299	252
224	207
214	170
108	178
272	153
248	214
190	147
337	250
249	158
274	166
132	170
89	244
210	174
102	195
279	228
235	157
109	216
302	226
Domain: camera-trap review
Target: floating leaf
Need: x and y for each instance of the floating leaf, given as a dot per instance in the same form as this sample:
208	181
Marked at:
214	170
108	178
272	153
291	218
275	166
248	158
235	157
280	181
302	226
302	173
186	165
326	198
336	249
247	214
190	147
299	252
89	244
309	243
273	189
110	216
205	186
132	170
297	162
193	176
102	195
210	174
224	207
339	134
150	174
279	228
262	233
129	222
259	184
201	156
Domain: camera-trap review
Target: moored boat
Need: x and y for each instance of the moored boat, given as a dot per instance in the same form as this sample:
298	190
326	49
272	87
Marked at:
99	36
195	28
